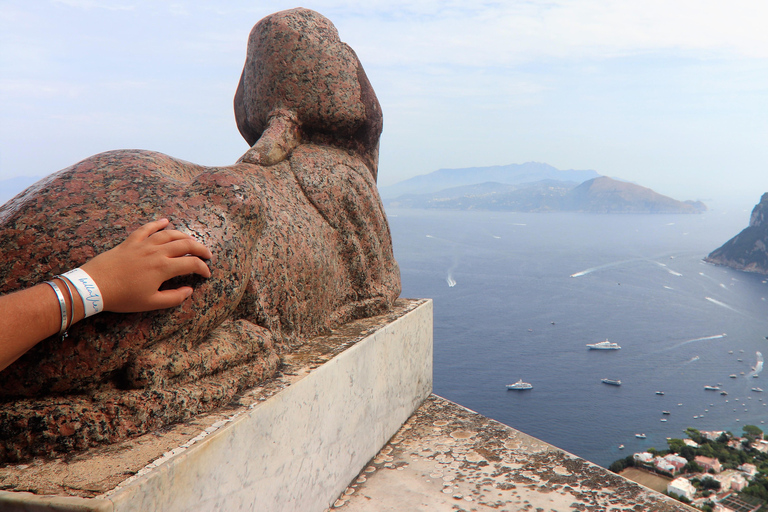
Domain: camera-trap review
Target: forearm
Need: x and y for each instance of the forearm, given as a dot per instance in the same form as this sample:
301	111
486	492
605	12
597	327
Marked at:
31	315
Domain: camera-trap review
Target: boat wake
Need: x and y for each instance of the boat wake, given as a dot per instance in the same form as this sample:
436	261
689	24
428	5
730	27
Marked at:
721	304
758	366
694	340
676	274
617	263
451	282
603	267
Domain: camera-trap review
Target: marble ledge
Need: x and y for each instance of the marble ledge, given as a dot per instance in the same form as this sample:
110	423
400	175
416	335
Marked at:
292	444
449	458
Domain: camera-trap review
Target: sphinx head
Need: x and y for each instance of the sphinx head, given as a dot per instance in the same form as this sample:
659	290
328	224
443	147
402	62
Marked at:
298	73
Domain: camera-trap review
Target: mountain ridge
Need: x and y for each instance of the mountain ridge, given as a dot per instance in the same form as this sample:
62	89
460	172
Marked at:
510	174
597	195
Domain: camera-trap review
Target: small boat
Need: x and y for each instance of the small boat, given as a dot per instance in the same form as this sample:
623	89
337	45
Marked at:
712	388
733	376
612	382
621	447
665	413
723	393
663	419
520	385
758	390
640	436
660	393
603	345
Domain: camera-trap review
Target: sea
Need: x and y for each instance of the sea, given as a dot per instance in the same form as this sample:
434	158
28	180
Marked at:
520	295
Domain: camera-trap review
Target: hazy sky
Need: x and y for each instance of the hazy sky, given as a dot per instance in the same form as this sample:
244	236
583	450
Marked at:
672	95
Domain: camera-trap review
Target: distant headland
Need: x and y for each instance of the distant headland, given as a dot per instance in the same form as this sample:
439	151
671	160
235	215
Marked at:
530	187
747	250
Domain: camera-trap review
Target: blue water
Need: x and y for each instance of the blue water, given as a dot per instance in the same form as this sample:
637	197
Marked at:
639	280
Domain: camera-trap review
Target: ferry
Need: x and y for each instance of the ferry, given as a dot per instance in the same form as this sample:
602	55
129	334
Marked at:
612	382
712	388
520	385
603	345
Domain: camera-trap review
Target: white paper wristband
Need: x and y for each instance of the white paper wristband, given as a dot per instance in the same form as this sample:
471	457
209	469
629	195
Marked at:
87	289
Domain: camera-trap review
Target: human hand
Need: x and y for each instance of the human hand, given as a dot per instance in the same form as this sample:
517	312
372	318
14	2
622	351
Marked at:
129	275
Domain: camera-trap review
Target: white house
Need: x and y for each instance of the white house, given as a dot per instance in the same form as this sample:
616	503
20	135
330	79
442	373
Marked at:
643	457
676	460
663	465
682	487
712	435
749	469
691	443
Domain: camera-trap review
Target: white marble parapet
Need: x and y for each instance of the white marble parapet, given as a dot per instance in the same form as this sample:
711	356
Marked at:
292	445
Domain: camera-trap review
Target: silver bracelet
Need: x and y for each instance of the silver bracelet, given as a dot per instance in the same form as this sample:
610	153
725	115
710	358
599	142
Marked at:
62	305
72	315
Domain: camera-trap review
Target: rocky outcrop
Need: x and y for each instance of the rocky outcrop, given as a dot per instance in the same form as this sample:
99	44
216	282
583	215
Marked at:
747	250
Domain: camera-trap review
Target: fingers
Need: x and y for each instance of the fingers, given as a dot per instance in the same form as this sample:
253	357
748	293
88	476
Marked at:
170	298
186	265
148	229
182	246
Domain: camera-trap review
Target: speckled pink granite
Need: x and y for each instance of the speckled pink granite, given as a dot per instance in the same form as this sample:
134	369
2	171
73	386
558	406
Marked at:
298	233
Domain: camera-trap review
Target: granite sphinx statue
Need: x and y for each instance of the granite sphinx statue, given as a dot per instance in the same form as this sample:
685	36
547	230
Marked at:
299	236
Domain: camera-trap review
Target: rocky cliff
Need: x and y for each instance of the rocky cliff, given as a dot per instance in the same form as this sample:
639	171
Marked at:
747	250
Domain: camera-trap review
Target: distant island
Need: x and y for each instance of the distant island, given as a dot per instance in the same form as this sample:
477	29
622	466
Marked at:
747	250
530	187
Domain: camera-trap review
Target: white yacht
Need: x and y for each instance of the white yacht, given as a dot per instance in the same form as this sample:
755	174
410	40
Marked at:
603	345
520	385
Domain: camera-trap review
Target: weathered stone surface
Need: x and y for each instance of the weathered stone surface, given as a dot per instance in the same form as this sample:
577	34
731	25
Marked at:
447	458
300	242
747	251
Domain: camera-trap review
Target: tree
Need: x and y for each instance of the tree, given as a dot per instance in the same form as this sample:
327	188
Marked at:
751	432
710	483
676	445
694	435
692	467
